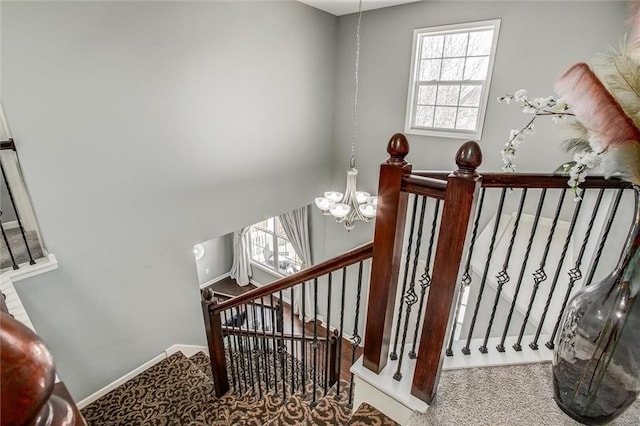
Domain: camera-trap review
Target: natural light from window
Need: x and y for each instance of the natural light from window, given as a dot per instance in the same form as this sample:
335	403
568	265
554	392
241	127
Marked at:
450	78
271	248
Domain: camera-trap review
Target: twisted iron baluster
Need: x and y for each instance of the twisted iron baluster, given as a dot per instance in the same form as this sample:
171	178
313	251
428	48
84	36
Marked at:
304	340
516	292
282	349
410	298
575	273
255	350
230	339
326	355
344	288
355	338
394	355
503	275
605	236
425	279
265	347
540	275
465	349
274	350
314	345
466	278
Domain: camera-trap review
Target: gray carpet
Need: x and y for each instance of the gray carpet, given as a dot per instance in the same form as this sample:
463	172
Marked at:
514	395
18	249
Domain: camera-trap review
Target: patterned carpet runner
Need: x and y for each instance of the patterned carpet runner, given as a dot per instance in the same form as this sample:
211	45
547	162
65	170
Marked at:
179	391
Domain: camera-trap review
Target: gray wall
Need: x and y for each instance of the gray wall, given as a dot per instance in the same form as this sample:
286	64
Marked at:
144	128
217	258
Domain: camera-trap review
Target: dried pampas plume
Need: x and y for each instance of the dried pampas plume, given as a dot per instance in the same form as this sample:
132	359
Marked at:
593	105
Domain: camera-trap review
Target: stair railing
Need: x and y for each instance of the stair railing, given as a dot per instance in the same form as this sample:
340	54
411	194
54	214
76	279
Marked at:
259	341
16	212
446	250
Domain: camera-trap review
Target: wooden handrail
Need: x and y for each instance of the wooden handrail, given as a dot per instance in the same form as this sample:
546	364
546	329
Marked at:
358	254
425	186
531	180
235	331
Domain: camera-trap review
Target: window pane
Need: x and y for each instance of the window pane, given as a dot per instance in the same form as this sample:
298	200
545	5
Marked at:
467	118
427	95
261	246
430	69
445	117
279	229
470	95
424	116
432	47
452	69
455	44
480	43
288	262
448	95
476	68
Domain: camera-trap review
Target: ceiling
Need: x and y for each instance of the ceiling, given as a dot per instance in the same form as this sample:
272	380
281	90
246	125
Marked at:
344	7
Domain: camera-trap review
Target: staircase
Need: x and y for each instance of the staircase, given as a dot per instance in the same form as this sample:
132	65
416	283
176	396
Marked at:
180	391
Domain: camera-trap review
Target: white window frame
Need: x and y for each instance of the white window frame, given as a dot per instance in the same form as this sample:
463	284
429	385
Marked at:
418	34
272	269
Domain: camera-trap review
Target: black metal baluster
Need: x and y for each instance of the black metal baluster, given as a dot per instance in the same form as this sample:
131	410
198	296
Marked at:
303	353
516	292
575	273
355	338
293	348
326	355
265	347
465	349
241	346
394	355
256	348
540	275
6	241
231	355
534	344
282	349
274	344
411	297
466	278
344	288
605	236
314	402
425	279
15	209
252	375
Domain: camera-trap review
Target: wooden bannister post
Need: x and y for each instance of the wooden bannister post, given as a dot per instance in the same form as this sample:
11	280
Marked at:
334	368
387	250
213	329
459	205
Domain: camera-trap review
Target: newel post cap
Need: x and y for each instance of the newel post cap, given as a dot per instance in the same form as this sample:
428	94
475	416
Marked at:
468	159
398	148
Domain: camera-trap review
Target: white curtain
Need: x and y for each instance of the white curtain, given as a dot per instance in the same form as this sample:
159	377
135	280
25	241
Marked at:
241	268
296	226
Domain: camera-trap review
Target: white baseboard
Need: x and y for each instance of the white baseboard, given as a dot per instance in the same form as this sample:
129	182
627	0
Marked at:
187	350
214	280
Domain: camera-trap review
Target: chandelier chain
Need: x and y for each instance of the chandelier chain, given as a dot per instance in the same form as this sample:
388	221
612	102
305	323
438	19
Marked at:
355	89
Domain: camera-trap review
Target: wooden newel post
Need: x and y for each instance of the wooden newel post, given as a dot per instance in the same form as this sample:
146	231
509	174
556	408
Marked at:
459	206
387	250
213	328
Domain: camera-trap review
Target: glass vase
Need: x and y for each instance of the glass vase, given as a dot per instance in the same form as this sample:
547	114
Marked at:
596	363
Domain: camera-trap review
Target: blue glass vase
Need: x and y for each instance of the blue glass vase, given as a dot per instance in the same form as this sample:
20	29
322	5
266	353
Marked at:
596	364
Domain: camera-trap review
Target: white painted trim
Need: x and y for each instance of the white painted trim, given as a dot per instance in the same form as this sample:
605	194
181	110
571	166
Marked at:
214	280
120	381
10	225
44	264
187	350
390	407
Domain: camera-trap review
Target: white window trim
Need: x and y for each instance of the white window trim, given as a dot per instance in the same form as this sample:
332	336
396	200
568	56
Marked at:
265	267
413	87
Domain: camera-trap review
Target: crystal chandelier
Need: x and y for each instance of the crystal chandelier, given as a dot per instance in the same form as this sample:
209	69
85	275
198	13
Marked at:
352	205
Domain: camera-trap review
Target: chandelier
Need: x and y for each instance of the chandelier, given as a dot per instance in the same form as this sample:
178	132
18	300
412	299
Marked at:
352	205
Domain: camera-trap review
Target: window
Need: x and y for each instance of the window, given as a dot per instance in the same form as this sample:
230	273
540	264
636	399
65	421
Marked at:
271	248
450	76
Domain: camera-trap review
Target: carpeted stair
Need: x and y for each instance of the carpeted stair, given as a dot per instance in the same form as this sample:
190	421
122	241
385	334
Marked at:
179	391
